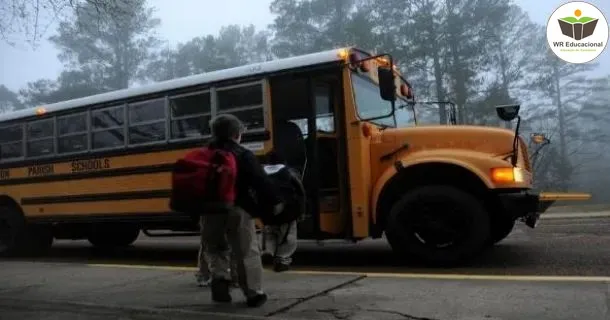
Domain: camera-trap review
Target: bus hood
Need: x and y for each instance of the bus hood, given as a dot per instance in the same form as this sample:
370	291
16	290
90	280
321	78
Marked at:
497	142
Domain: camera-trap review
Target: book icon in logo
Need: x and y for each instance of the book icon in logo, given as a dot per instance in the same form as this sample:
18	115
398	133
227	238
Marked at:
577	27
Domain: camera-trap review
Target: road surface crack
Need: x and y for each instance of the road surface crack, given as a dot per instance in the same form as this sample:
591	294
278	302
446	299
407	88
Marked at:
338	314
347	314
404	315
315	295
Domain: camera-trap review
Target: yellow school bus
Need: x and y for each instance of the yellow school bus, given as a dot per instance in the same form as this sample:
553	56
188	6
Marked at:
99	167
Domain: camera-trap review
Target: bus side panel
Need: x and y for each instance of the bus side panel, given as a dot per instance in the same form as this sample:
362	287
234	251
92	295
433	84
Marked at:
137	183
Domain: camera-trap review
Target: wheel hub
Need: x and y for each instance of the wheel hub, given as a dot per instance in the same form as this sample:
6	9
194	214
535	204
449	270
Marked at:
437	224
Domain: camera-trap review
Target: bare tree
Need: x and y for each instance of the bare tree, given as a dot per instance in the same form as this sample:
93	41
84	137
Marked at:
29	20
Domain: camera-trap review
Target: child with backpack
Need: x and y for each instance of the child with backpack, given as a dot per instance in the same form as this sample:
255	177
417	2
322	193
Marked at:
215	182
279	236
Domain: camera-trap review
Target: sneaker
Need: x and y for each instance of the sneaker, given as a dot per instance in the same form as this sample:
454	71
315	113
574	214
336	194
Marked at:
203	281
220	290
256	301
267	259
280	267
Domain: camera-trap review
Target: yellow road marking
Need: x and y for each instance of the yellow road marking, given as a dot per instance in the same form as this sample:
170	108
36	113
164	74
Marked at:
422	276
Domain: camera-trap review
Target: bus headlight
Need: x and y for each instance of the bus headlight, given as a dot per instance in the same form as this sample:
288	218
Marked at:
507	175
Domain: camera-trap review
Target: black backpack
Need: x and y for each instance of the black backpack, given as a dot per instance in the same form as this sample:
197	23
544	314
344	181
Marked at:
292	193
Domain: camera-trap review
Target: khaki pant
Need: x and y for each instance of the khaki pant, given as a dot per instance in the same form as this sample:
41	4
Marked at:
235	233
280	241
202	264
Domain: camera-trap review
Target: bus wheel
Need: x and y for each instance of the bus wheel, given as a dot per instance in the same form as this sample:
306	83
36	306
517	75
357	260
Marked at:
500	229
17	237
115	236
12	225
438	224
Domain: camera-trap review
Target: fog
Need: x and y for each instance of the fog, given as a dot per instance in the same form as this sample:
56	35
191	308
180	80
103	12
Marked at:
476	54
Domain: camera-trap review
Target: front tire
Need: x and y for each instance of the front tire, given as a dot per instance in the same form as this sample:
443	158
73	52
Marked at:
500	229
438	225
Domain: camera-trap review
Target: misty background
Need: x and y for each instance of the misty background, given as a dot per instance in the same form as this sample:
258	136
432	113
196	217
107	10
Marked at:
477	54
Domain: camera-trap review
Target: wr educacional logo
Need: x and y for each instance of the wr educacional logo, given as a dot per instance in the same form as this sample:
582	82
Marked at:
577	32
577	27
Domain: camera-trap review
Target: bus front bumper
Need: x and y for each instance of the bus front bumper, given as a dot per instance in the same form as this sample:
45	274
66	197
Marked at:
528	206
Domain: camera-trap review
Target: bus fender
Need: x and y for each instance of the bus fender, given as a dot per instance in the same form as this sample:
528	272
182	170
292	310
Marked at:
393	172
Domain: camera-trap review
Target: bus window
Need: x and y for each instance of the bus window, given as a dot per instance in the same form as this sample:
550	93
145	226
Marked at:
404	115
107	128
147	121
72	133
40	138
190	115
11	142
245	102
325	116
369	103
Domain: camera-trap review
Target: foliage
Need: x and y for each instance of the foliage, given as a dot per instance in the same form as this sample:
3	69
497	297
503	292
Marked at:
8	100
100	52
32	18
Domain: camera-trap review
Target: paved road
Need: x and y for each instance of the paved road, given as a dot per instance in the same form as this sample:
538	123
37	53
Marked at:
558	271
555	247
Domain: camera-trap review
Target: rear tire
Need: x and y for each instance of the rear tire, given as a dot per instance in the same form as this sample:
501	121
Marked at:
109	237
19	238
439	225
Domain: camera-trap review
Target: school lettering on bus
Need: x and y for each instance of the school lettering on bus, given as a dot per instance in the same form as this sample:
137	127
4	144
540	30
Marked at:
43	170
90	165
4	174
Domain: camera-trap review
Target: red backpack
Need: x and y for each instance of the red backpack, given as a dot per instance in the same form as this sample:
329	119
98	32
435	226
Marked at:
203	182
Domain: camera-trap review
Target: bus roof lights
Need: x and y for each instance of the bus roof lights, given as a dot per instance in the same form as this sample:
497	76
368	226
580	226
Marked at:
355	58
383	61
40	111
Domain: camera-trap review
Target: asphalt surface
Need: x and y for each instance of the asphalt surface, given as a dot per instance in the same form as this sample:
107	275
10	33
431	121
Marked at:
560	270
556	247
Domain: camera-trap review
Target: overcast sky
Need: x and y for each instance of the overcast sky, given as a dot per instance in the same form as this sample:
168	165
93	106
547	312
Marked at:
183	20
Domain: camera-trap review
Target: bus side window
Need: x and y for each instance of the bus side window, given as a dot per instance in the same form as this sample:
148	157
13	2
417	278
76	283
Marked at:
72	133
11	142
107	128
40	138
190	115
147	121
245	102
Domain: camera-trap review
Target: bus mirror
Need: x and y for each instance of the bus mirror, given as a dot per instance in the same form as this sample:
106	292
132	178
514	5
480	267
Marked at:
387	84
508	112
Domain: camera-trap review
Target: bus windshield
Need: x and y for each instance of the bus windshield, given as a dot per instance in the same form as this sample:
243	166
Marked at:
369	103
404	114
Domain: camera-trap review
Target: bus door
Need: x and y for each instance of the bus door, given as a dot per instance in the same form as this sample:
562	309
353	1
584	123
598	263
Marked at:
307	127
